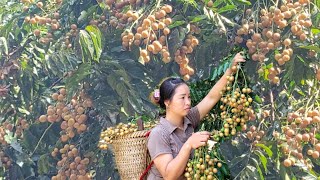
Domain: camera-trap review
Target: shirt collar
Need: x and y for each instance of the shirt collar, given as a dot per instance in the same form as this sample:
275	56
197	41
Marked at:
170	127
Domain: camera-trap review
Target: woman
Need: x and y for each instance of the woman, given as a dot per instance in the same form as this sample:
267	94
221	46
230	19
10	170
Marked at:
172	140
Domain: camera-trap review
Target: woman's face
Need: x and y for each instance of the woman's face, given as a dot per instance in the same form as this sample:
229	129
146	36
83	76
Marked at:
180	103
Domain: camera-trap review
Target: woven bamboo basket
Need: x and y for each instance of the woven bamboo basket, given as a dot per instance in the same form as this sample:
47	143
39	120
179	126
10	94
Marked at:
131	154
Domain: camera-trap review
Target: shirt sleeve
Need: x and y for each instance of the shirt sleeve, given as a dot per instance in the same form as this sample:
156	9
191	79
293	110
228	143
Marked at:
194	116
158	143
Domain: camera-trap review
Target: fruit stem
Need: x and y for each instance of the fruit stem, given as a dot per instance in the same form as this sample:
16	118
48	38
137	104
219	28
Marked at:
245	80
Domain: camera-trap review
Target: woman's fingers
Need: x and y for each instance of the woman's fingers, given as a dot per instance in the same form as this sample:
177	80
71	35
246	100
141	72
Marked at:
204	133
238	58
203	143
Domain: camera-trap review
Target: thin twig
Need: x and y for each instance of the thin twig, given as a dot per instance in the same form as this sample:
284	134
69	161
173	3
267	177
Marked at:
41	138
60	79
272	105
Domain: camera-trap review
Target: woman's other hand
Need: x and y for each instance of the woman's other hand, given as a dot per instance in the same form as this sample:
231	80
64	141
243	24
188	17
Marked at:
198	139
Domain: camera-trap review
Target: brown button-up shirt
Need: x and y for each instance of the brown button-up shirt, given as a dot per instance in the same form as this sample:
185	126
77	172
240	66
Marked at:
166	138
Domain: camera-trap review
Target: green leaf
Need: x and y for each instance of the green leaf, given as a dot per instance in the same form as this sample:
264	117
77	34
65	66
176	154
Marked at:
317	2
263	160
218	20
266	149
39	49
243	2
4	45
226	8
315	48
175	40
198	18
95	35
226	20
258	168
72	82
217	3
301	172
219	70
301	59
85	15
51	65
257	99
214	75
15	145
176	24
29	140
24	111
87	47
315	30
43	164
237	164
15	172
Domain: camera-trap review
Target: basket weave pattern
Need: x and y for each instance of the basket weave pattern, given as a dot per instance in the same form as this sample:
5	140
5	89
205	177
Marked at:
131	154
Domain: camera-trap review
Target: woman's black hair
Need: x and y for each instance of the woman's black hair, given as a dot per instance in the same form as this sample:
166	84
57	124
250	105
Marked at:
167	89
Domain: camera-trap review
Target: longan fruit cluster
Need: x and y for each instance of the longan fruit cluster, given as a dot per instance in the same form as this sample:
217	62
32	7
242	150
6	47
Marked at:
5	160
3	129
20	126
151	33
71	114
266	33
74	30
71	165
301	130
97	20
119	20
300	25
51	22
255	135
236	107
107	136
180	56
39	4
273	75
202	165
119	5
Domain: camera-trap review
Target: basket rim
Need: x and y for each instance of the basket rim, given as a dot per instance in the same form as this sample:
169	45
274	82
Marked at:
137	134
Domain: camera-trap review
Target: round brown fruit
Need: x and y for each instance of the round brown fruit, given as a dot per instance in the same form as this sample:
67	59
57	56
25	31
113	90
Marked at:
36	32
287	42
210	3
287	163
39	4
73	26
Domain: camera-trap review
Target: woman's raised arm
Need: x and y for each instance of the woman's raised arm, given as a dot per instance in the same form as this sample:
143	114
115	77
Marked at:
214	95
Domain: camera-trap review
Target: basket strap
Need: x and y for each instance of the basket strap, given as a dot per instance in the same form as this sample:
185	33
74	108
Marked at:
150	165
146	171
147	134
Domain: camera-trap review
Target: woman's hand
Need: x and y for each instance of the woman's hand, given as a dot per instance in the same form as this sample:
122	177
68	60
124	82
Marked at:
198	139
237	59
